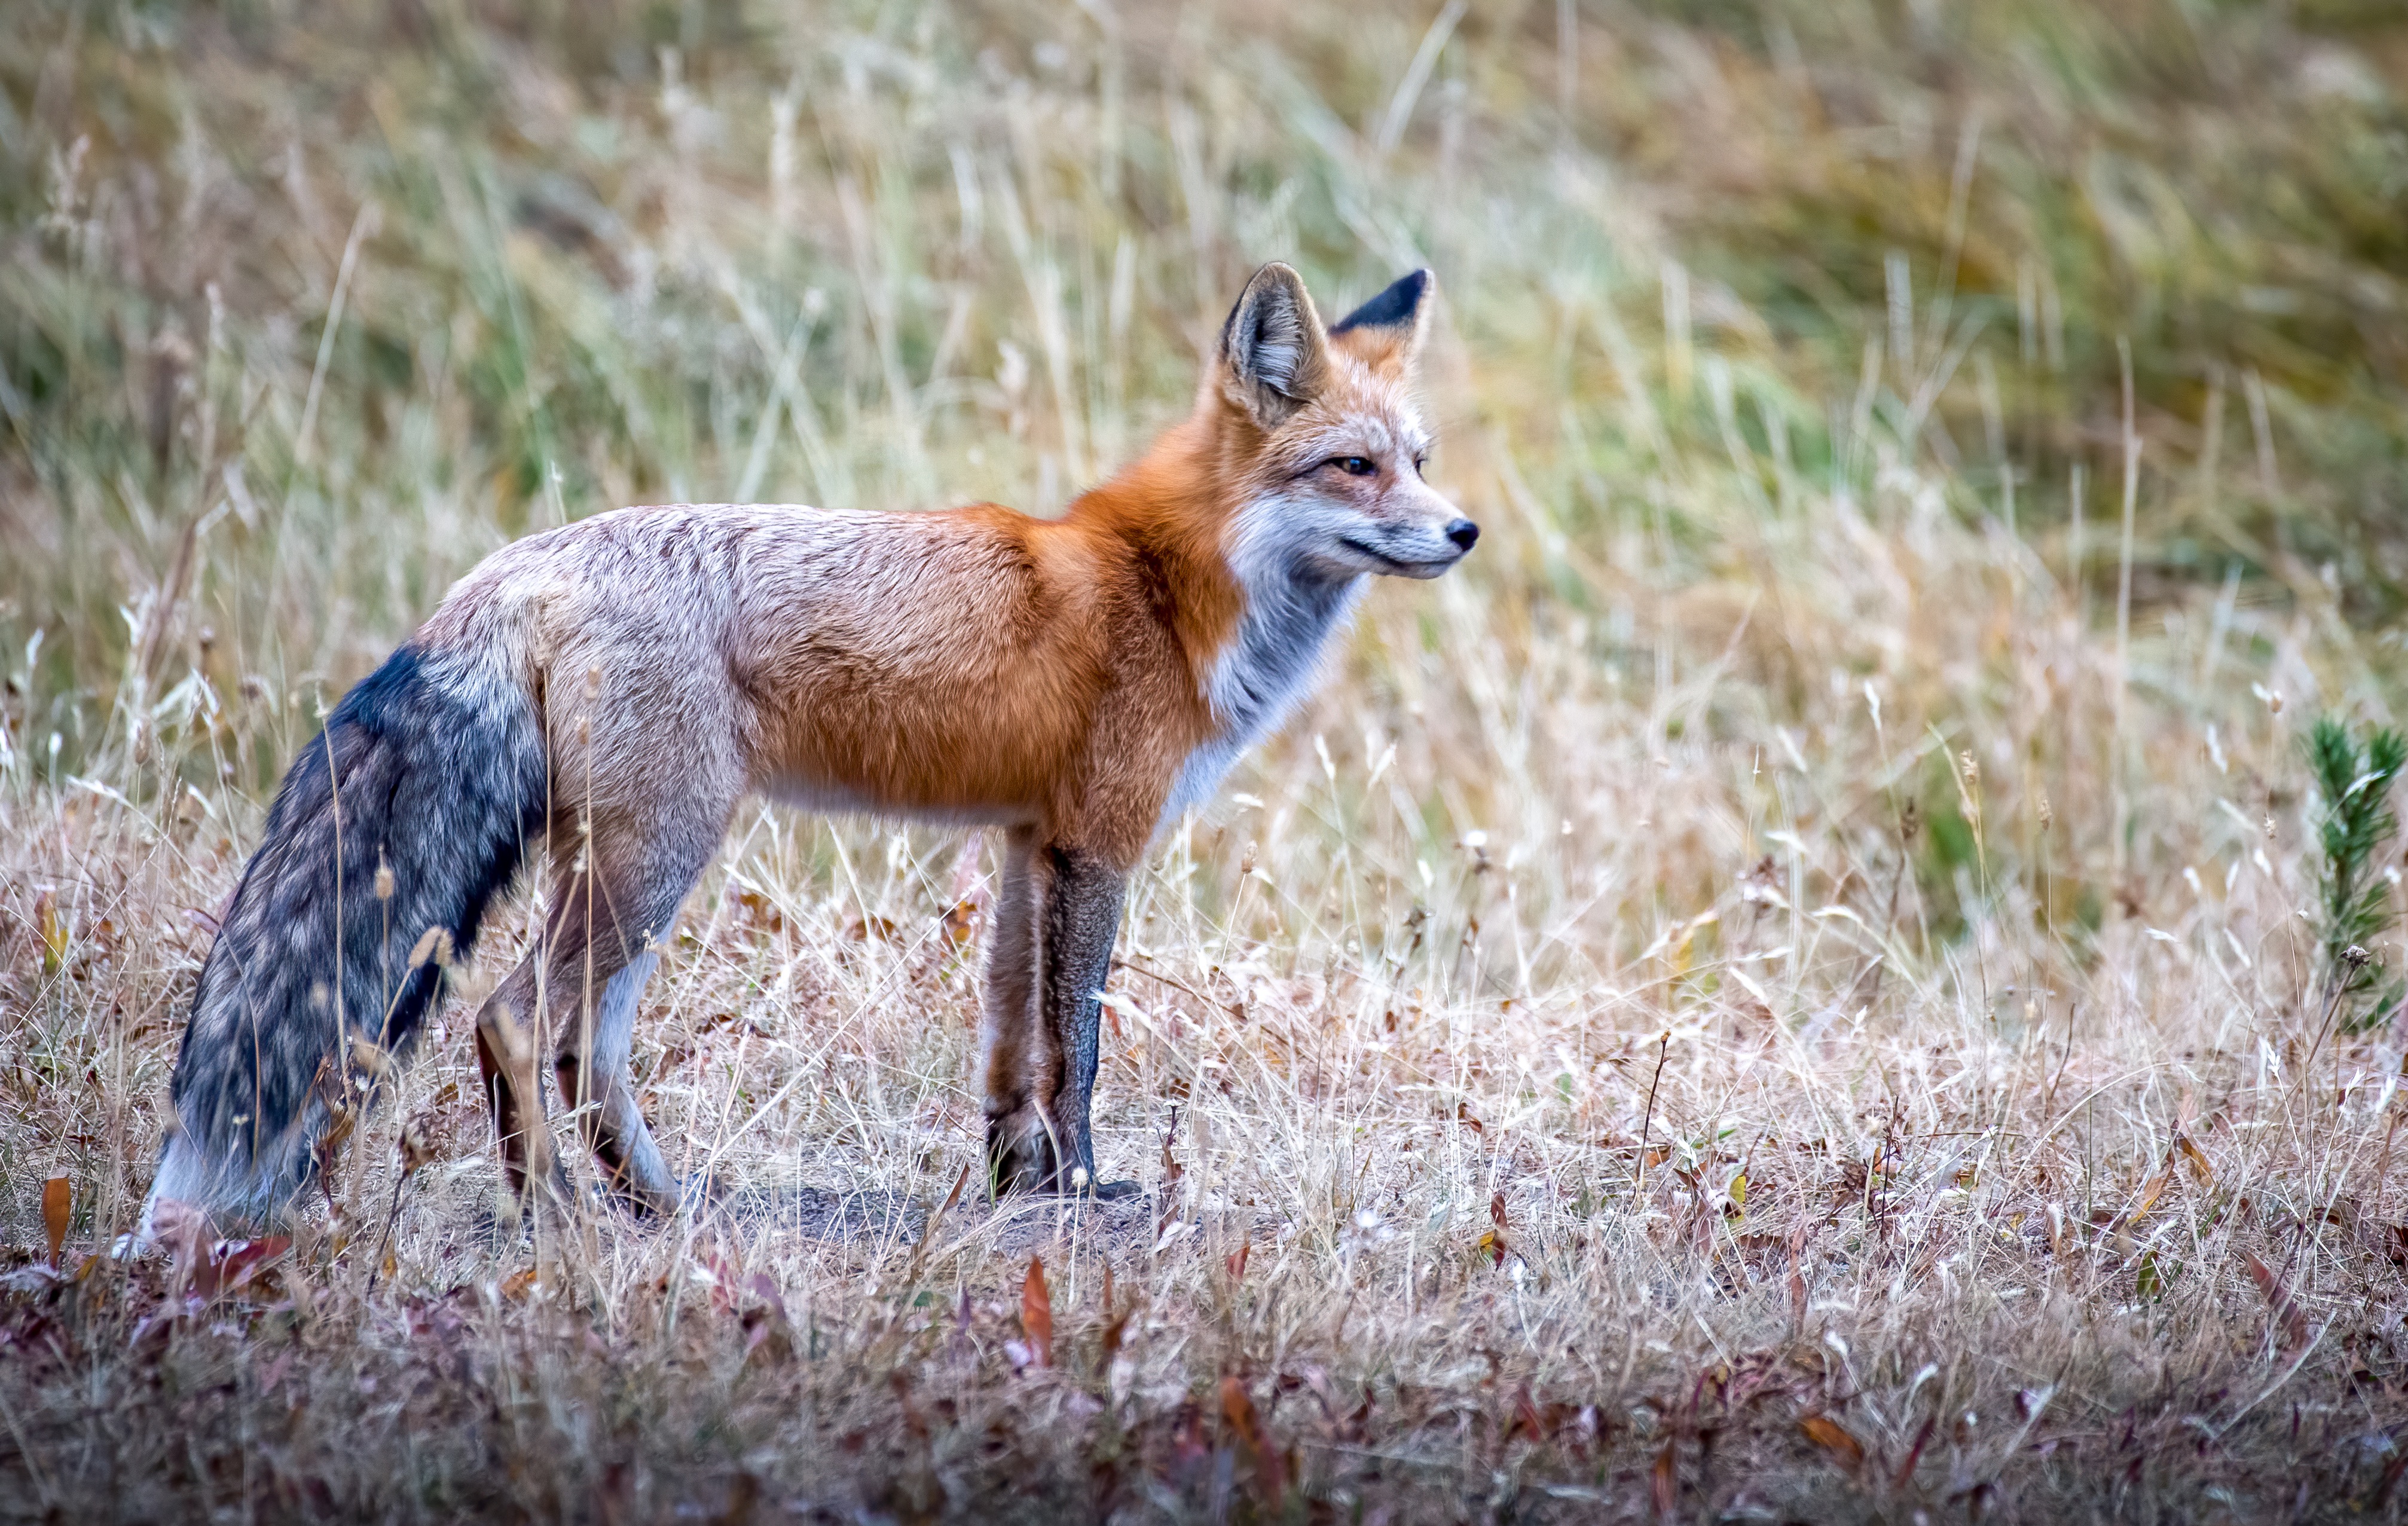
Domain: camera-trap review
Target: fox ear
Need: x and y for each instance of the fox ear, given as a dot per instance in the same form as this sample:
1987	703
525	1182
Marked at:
1273	358
1386	333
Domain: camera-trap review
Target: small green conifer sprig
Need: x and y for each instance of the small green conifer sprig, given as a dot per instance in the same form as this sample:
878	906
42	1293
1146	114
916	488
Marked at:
2355	821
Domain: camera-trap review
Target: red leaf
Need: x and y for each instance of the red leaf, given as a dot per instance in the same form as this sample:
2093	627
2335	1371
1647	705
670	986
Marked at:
57	1200
1236	1263
237	1263
1037	1313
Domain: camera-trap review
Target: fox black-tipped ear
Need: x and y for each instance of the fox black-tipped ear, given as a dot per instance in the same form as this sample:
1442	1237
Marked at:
1273	357
1387	330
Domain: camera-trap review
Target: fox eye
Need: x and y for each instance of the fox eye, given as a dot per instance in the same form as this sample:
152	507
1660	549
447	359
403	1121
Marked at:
1354	465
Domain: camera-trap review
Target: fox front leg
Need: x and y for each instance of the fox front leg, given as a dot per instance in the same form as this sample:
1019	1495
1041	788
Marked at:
1056	918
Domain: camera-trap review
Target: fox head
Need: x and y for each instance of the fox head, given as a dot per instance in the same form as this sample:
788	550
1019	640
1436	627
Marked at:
1320	426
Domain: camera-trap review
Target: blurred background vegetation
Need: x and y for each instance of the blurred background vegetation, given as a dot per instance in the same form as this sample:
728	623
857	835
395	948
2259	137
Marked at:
306	309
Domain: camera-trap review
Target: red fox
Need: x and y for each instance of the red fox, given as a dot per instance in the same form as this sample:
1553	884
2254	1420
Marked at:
615	687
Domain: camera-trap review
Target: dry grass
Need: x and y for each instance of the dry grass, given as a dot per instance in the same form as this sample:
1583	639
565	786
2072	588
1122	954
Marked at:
1777	994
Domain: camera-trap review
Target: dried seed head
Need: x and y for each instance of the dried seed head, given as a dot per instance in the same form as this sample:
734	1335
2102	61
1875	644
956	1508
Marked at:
433	945
2355	957
384	882
2047	814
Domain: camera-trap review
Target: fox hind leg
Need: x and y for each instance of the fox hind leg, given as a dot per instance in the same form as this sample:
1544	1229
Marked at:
608	1119
506	1064
602	936
605	939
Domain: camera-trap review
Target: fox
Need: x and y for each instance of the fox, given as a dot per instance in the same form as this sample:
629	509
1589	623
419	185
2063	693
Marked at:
613	690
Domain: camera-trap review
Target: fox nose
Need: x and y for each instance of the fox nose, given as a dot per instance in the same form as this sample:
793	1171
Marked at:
1463	532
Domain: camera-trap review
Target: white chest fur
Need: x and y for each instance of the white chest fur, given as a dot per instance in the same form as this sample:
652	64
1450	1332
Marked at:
1282	640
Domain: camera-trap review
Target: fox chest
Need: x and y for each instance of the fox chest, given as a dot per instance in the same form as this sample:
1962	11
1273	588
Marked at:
1269	665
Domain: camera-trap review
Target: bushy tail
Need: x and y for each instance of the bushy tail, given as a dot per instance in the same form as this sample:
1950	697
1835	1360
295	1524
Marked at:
410	812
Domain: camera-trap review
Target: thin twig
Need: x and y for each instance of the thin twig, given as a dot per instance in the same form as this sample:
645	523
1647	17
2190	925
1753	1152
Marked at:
1663	1047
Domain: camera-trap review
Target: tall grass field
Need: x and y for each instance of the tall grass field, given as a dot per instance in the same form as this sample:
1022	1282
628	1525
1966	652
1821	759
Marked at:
1845	968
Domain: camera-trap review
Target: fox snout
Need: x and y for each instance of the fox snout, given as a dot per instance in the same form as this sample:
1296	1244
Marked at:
1423	543
1427	555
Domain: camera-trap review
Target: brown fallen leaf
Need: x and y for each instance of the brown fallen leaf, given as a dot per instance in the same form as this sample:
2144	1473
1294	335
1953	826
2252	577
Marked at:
2153	1188
2281	1308
1270	1464
2196	1159
58	1199
1237	1408
1037	1313
1116	1331
1833	1438
1664	1483
1236	1261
